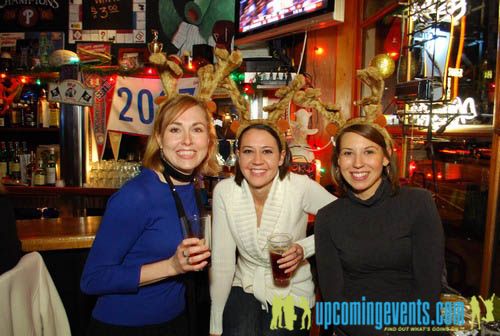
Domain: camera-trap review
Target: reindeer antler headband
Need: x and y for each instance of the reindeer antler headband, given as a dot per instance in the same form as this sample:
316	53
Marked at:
210	76
213	76
293	93
373	76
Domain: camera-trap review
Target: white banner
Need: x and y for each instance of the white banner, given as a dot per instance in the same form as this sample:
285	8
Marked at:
133	108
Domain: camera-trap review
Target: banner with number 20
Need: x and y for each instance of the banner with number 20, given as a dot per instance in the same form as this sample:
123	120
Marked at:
133	108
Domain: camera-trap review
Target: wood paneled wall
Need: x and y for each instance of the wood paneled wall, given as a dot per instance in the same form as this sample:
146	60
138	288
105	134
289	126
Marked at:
334	72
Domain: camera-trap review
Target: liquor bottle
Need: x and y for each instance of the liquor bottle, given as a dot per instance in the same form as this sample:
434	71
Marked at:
10	157
30	169
24	158
15	168
51	168
39	178
24	146
43	110
54	111
20	113
3	160
30	115
15	120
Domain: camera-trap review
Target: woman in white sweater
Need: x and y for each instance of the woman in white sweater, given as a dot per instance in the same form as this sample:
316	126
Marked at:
263	198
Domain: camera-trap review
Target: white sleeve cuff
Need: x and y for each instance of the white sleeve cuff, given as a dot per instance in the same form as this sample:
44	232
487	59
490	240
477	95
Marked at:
307	245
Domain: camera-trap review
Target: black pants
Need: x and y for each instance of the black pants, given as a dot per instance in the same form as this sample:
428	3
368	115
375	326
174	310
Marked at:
176	327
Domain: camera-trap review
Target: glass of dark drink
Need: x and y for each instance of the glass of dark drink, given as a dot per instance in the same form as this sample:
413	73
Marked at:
278	243
199	227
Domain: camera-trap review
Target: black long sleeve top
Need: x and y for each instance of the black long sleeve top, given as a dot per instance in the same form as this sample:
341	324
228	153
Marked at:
385	248
10	246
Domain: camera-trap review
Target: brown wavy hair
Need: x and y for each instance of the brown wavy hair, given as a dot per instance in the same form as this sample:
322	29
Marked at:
371	133
167	114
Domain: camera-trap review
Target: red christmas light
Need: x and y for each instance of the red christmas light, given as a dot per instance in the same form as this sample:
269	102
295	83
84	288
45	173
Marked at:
248	89
412	167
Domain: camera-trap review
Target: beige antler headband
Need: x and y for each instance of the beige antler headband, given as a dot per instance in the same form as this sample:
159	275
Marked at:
218	75
210	76
373	76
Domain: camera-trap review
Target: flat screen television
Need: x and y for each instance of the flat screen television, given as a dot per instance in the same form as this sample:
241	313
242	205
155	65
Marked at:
258	20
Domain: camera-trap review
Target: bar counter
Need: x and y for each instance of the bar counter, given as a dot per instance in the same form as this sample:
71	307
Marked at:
70	201
57	234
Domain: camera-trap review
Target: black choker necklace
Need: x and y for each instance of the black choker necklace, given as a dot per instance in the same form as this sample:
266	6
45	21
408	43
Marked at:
175	174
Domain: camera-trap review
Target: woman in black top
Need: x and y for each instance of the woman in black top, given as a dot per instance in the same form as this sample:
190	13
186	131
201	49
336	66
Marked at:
378	242
10	247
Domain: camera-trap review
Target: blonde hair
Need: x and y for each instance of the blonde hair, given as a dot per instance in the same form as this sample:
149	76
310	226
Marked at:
167	114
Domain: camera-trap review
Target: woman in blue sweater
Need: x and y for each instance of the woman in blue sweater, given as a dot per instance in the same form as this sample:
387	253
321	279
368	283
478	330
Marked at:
137	260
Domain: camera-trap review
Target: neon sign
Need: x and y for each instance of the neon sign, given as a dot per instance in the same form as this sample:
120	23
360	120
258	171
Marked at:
440	11
456	72
461	112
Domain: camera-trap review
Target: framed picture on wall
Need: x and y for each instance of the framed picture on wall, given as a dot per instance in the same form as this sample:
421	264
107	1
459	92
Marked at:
132	58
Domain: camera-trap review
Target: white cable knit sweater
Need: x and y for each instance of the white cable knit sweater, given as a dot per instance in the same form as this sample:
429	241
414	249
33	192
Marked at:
235	227
30	302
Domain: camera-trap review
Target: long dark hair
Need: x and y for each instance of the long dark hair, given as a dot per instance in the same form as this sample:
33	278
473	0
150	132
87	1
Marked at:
371	133
282	170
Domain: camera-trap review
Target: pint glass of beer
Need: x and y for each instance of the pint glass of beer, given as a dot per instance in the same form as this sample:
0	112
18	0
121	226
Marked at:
278	243
198	227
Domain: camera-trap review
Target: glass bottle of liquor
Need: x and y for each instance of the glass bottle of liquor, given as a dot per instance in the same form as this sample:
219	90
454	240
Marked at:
3	160
30	115
43	110
54	111
15	120
51	168
15	168
20	113
10	157
30	169
24	146
24	157
39	177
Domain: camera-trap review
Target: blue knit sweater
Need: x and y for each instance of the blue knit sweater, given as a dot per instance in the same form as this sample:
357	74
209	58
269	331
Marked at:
140	226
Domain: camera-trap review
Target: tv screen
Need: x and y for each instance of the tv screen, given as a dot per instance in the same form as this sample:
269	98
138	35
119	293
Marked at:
259	15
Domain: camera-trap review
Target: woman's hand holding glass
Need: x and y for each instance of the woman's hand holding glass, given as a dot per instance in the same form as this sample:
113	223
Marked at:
292	258
191	255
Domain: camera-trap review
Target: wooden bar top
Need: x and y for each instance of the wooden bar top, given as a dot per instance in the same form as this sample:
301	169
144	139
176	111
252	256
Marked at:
57	234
